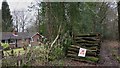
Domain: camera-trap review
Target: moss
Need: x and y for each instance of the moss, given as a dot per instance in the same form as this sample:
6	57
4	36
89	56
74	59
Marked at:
115	55
118	58
92	59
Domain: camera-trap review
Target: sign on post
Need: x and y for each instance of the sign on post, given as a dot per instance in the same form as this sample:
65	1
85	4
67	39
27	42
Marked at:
82	52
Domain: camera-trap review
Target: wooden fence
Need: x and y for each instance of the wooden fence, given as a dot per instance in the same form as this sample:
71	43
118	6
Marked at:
91	42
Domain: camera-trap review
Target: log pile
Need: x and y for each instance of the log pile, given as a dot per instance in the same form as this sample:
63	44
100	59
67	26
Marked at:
91	42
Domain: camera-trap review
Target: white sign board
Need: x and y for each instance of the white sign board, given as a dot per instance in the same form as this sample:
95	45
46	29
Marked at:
82	52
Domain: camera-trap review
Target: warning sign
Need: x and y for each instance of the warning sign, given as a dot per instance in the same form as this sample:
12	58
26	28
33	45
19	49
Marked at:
82	52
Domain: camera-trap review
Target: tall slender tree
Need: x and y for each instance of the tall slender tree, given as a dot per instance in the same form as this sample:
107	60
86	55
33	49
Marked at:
119	19
0	22
6	17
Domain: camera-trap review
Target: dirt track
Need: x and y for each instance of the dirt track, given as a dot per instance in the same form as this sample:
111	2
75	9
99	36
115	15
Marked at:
106	53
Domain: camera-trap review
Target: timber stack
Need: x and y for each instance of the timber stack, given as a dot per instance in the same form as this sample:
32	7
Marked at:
91	42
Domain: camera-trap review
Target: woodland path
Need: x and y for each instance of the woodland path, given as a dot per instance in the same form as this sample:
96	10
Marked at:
107	58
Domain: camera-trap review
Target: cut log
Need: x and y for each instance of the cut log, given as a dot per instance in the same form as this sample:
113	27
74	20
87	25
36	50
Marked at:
94	54
92	48
87	38
90	45
72	52
88	58
93	59
89	42
85	61
89	48
76	56
77	49
87	35
73	49
91	39
74	46
72	55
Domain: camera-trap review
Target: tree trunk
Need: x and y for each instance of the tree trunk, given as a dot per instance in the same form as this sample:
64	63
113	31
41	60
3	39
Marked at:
119	19
48	21
119	24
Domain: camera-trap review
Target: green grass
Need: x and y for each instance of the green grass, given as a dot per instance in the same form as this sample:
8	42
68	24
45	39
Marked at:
16	51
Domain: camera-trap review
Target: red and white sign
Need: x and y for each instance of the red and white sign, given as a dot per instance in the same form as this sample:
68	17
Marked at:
82	52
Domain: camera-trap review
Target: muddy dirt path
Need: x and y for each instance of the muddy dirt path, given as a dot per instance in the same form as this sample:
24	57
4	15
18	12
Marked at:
106	53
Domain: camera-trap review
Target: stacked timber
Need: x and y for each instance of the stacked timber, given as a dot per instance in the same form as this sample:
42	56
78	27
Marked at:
91	42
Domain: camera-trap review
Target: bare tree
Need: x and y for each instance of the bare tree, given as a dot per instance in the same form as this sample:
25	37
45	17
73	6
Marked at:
15	19
22	19
36	8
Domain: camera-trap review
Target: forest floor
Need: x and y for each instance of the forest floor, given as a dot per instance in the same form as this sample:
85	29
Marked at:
107	57
108	51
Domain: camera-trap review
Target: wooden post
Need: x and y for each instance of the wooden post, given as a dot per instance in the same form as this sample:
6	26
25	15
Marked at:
19	59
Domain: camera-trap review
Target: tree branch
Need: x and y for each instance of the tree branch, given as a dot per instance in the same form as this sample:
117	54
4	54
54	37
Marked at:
56	37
